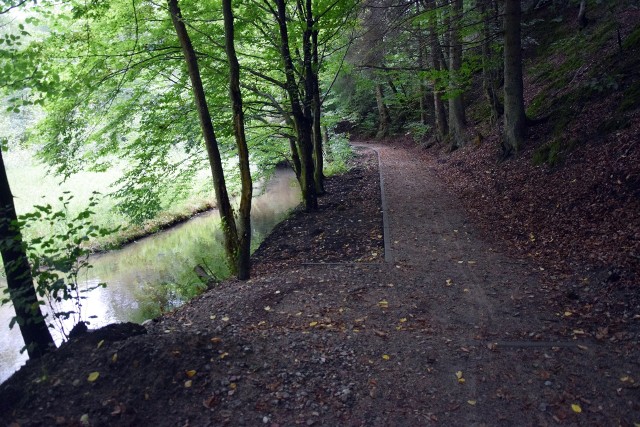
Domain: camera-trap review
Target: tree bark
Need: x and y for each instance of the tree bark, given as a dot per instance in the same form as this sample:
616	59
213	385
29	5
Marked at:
317	107
514	115
442	126
246	192
303	125
215	162
457	119
33	327
384	119
489	79
582	15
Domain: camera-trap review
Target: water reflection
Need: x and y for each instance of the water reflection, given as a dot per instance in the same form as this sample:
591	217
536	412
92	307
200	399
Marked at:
156	273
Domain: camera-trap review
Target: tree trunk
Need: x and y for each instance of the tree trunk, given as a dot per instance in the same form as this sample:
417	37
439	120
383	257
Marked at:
442	127
33	327
215	162
303	125
582	15
457	119
384	119
514	115
489	71
317	107
244	223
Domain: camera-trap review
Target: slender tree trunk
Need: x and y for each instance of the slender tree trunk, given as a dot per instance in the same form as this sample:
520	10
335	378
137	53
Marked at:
488	68
457	119
384	119
442	126
33	327
317	107
422	63
215	162
244	223
582	15
303	125
514	115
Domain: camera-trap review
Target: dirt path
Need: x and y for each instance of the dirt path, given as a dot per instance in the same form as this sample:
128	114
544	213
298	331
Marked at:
452	332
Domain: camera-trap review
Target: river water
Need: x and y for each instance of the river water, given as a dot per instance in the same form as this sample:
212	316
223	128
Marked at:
156	273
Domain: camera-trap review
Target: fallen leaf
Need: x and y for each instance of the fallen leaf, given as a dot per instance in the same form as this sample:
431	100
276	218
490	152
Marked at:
223	355
471	402
210	402
233	386
100	343
383	304
93	376
403	320
568	313
312	324
576	408
190	373
216	340
386	357
449	282
225	319
380	334
267	308
188	383
459	377
114	358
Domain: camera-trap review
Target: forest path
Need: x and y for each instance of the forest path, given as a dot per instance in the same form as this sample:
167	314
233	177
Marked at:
452	332
485	315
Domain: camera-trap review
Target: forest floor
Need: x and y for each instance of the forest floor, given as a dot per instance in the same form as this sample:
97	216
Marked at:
456	328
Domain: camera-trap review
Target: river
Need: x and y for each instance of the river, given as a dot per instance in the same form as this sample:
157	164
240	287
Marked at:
156	273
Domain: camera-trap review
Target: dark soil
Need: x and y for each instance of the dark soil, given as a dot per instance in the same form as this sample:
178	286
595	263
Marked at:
458	330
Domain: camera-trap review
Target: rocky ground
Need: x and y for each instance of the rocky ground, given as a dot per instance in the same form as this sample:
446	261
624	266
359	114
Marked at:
457	329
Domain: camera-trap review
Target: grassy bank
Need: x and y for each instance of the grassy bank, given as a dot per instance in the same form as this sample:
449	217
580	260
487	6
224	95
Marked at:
32	185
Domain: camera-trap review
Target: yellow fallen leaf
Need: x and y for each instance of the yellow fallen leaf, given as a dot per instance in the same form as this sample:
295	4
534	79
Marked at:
576	408
114	358
223	355
312	324
626	379
459	377
403	320
188	383
567	313
225	319
386	357
100	343
383	304
262	322
471	402
190	373
93	376
233	386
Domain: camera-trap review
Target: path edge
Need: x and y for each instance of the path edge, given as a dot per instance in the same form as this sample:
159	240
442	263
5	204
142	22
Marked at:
386	230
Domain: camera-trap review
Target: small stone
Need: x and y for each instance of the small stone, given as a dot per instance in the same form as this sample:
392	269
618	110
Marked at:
265	420
548	383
